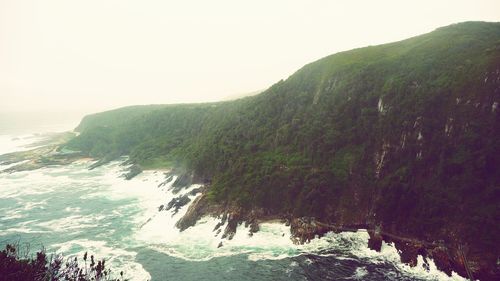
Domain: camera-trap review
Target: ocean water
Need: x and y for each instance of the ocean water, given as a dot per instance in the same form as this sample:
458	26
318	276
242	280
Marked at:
71	209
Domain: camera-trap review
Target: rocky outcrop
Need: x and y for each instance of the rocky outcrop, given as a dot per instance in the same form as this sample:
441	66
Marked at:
305	229
447	257
451	256
176	203
48	152
253	227
133	171
182	181
169	177
199	208
375	240
101	162
230	216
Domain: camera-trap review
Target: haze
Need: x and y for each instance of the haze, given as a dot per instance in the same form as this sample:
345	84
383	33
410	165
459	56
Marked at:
92	55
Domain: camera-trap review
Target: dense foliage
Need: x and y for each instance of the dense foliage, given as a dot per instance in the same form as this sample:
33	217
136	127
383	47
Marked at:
405	135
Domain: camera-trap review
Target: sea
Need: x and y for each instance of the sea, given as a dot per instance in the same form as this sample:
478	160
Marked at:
71	210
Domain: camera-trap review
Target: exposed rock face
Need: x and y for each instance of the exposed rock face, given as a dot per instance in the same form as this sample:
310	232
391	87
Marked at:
169	177
177	203
230	216
375	241
447	257
305	229
232	223
198	209
134	170
183	181
201	208
221	223
254	227
376	138
100	162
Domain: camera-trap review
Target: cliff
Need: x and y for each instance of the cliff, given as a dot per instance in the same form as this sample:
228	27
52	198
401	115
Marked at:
401	138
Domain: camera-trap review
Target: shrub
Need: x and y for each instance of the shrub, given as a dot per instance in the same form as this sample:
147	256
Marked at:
18	266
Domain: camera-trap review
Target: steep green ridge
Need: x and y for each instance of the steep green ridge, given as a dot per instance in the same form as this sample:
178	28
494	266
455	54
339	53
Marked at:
403	135
117	116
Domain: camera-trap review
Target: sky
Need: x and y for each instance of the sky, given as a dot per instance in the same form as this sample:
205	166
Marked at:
85	56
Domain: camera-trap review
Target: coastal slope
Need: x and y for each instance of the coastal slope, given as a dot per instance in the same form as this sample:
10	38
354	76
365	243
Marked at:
400	138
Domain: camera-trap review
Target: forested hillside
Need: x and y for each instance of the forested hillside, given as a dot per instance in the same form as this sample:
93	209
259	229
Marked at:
404	136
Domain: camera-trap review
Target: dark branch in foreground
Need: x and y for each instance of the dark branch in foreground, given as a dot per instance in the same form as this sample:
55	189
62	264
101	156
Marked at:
21	266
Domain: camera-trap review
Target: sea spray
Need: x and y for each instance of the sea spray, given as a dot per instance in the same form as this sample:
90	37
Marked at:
71	209
272	241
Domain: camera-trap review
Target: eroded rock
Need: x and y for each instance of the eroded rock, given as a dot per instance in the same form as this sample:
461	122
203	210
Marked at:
177	203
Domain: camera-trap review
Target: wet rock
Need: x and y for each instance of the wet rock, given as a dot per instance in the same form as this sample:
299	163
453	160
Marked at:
409	251
221	222
176	203
134	170
169	177
232	224
150	219
305	229
182	182
375	240
193	214
195	191
100	162
126	162
224	218
442	259
200	207
220	245
254	227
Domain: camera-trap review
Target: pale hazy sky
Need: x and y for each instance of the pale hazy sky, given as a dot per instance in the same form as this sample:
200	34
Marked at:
90	55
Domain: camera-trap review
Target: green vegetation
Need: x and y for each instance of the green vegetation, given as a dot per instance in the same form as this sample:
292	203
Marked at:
23	267
404	135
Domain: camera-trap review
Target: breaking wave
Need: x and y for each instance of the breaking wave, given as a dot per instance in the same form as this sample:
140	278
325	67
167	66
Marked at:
71	210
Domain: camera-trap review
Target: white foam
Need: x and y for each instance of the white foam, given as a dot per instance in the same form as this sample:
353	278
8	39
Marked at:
7	166
103	182
116	258
22	230
72	209
72	223
10	143
360	273
358	246
156	229
200	242
12	214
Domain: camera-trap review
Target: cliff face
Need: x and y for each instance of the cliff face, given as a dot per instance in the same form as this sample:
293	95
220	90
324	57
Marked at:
401	138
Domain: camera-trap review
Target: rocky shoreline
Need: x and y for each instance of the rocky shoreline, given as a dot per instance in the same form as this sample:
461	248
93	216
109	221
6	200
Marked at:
48	152
450	256
51	152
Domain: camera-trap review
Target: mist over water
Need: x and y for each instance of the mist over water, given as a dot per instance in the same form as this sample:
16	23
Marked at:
27	123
